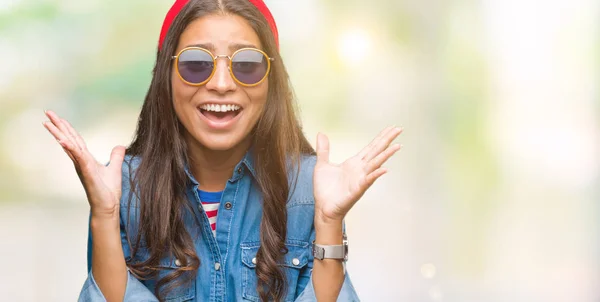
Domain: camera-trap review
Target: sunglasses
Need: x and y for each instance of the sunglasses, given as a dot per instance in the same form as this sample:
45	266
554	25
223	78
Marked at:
247	66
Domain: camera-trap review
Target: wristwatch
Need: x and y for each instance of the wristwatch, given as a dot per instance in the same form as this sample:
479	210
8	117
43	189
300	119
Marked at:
331	251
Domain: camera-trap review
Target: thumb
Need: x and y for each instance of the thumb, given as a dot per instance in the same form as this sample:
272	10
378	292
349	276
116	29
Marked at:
116	156
322	148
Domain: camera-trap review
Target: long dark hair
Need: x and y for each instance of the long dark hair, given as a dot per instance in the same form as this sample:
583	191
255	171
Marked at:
160	180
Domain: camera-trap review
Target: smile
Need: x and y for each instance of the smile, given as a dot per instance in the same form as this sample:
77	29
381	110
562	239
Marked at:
220	116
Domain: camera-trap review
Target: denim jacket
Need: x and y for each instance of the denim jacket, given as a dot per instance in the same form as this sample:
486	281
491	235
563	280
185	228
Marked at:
227	261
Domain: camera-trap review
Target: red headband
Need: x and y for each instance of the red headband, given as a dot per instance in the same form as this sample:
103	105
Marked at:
179	4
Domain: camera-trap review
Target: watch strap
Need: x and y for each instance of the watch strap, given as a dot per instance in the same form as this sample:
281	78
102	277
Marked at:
321	251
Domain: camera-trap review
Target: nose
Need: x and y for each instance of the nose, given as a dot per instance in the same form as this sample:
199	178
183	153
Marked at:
221	81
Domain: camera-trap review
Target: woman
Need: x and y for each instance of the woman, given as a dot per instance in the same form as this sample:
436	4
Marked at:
220	196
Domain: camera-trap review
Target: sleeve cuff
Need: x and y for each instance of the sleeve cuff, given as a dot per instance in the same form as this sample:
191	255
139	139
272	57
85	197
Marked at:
134	291
347	293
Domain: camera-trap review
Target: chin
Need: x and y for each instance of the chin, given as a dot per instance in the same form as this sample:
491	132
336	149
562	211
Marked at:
219	142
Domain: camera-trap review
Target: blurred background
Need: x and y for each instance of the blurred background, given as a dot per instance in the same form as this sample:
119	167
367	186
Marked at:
494	196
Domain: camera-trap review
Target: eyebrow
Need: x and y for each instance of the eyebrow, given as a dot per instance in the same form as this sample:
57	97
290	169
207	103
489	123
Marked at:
232	47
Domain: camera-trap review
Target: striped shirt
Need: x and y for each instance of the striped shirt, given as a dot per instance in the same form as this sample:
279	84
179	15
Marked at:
210	202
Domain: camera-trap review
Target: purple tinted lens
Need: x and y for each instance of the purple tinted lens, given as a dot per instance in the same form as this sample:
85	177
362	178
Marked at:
249	66
195	65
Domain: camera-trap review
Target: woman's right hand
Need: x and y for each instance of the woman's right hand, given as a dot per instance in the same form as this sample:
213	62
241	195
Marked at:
102	183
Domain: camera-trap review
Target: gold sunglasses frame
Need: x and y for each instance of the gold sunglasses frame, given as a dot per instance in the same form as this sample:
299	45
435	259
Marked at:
269	60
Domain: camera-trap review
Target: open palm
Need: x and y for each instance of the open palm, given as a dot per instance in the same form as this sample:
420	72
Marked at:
102	183
337	187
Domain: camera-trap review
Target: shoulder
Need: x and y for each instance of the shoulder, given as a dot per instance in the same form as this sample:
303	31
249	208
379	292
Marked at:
301	182
130	165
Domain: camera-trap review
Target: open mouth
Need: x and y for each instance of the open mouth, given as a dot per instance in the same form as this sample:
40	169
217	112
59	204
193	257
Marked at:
220	113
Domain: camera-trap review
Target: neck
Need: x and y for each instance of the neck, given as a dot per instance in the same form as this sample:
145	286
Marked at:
213	168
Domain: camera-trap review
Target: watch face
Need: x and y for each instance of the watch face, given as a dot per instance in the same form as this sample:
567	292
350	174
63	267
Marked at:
317	252
345	250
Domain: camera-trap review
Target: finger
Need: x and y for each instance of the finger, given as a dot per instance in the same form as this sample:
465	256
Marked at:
322	148
383	143
71	156
380	159
368	148
116	157
373	176
70	133
74	135
60	138
57	121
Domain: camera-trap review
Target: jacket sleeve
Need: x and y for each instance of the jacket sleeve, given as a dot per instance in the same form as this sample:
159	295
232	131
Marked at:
347	293
135	291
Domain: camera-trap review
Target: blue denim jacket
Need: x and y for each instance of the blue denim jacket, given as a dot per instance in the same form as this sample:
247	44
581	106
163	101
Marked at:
227	262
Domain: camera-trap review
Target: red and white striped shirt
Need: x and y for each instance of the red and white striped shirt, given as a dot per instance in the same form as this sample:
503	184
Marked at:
210	203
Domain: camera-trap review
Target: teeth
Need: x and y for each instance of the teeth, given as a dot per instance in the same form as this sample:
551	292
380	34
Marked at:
219	108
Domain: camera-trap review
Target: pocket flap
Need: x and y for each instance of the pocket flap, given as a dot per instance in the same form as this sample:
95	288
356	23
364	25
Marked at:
296	257
186	291
169	262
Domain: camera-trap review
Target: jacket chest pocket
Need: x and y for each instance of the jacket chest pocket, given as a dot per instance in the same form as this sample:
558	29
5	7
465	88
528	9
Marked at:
292	264
182	292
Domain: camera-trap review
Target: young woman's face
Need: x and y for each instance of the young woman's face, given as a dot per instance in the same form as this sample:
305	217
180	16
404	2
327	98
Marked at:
221	35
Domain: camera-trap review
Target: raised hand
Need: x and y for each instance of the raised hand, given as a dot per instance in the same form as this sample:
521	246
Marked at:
102	183
338	187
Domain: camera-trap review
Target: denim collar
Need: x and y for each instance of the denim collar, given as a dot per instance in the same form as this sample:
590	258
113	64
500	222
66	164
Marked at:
247	163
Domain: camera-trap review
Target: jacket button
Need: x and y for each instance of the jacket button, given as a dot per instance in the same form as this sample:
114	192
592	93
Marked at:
177	262
240	170
217	266
228	205
254	260
295	261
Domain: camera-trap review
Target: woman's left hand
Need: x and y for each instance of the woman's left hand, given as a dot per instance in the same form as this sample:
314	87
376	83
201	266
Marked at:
338	187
